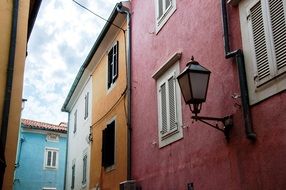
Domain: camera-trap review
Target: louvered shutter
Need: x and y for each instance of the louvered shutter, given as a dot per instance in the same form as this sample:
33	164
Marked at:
163	108
73	176
172	103
104	148
54	161
115	64
263	70
109	69
278	24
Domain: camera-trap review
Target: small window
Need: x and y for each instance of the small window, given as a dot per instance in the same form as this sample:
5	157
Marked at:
73	176
75	122
86	105
112	65
164	9
108	145
263	24
51	158
169	107
84	169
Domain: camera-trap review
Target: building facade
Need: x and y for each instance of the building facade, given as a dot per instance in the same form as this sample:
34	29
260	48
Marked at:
103	77
169	150
40	161
78	148
17	19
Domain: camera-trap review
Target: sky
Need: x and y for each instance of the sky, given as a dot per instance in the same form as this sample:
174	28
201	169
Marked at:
61	39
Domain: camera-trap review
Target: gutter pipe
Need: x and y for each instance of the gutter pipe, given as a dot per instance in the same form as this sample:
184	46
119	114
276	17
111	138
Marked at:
67	152
239	58
8	88
125	10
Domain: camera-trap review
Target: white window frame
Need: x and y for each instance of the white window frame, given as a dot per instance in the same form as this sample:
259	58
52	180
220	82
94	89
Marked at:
175	134
84	169
53	151
276	81
167	12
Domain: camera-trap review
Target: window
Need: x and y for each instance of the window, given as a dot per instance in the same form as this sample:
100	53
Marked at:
263	24
51	157
164	9
108	145
84	169
75	121
86	105
73	176
112	65
169	106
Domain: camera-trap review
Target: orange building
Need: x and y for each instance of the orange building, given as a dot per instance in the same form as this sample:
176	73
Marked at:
17	18
109	107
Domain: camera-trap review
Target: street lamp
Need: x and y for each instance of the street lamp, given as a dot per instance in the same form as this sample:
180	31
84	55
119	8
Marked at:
193	82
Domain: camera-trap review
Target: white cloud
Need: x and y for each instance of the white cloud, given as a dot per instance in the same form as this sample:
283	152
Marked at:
61	39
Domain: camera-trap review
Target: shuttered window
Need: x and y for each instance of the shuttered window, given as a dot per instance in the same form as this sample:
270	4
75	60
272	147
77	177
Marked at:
268	27
169	105
75	121
263	31
164	9
112	65
73	177
86	105
108	145
84	169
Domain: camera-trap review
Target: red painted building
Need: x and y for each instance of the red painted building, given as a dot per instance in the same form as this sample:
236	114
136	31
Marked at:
169	150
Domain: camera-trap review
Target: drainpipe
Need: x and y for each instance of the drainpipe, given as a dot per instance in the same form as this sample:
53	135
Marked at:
9	82
125	10
239	58
67	152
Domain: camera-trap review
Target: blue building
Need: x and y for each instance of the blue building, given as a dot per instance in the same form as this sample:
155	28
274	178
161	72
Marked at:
40	162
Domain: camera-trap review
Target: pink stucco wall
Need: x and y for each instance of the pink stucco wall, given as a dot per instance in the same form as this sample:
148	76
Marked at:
202	156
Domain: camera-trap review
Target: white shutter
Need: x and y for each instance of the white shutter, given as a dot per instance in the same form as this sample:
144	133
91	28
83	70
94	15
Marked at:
172	103
260	48
164	120
278	24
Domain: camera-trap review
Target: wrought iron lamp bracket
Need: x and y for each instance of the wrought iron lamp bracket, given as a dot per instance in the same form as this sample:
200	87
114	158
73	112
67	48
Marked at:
226	121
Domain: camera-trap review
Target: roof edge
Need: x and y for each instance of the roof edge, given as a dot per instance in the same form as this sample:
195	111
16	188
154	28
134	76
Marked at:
89	56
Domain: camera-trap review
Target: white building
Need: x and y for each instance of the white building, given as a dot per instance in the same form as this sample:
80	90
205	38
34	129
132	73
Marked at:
78	106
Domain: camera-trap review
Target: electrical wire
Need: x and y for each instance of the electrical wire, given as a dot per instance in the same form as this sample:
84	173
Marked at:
97	15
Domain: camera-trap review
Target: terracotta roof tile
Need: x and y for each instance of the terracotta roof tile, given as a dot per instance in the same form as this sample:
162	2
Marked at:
62	127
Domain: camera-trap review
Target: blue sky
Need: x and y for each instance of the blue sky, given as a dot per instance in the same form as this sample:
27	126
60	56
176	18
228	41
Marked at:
62	37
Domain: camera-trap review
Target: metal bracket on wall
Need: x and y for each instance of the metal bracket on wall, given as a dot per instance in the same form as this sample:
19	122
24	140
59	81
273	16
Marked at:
226	121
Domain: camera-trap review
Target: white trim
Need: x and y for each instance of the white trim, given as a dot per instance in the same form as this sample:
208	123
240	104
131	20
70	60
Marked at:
175	134
167	13
53	150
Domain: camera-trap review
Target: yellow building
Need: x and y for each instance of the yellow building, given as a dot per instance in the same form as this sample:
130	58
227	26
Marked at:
109	165
17	18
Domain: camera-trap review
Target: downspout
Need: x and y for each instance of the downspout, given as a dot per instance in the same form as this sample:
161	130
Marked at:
67	147
125	10
9	82
239	58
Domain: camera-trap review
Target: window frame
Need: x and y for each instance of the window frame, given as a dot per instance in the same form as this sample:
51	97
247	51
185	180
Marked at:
53	151
86	101
171	69
275	82
166	14
112	65
75	122
84	169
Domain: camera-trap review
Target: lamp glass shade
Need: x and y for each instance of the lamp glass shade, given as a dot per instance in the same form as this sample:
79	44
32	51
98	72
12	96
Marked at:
194	82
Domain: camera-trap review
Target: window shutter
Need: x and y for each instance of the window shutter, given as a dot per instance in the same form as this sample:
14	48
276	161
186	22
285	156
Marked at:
260	48
172	103
73	176
164	122
49	158
109	72
277	17
116	53
104	142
